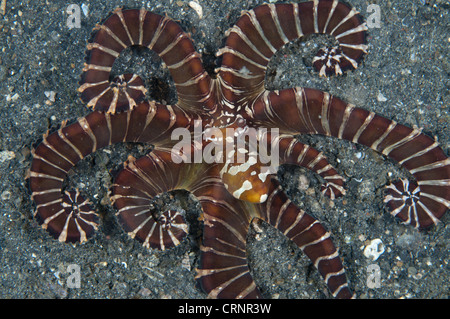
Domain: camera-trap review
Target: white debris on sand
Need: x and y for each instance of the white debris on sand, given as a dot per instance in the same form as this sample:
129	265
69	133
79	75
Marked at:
6	156
374	249
197	8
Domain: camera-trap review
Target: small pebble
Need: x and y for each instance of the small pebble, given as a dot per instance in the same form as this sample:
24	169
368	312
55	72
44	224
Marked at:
50	95
12	98
101	264
85	8
381	97
374	249
185	262
145	292
6	195
7	156
197	8
303	182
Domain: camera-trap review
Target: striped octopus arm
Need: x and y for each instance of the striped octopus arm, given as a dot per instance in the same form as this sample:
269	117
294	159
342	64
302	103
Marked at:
132	27
420	203
138	183
309	235
261	32
66	214
118	115
292	151
223	270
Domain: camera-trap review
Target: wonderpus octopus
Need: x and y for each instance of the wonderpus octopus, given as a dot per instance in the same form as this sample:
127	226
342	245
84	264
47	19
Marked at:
232	192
